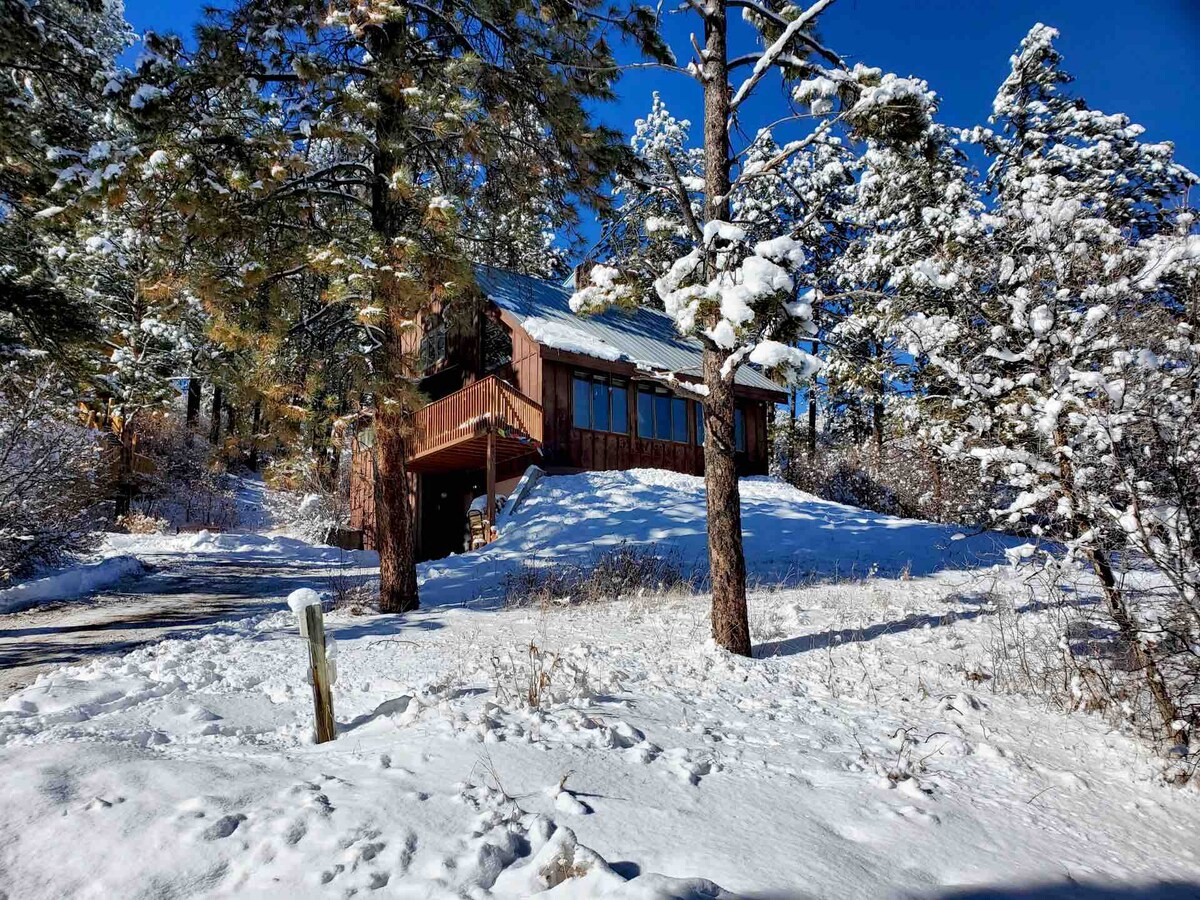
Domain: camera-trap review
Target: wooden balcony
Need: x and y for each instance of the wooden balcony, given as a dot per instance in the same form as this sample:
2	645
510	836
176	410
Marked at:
454	433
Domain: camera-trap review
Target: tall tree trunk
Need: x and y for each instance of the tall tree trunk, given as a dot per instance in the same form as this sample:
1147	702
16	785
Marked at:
727	562
792	441
877	431
394	537
939	493
214	423
125	474
394	522
1120	613
193	402
811	437
255	424
877	414
1131	632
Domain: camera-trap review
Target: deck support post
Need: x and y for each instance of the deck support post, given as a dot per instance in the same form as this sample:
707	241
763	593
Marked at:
491	480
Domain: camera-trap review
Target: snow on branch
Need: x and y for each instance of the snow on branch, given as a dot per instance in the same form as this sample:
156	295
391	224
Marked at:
772	54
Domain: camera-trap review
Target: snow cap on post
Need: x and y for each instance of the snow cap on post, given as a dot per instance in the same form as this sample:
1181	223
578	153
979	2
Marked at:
299	600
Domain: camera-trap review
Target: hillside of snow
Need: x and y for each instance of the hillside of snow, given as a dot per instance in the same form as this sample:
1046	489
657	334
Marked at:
790	536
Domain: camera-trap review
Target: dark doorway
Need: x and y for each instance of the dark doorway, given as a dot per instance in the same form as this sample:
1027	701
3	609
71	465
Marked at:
444	502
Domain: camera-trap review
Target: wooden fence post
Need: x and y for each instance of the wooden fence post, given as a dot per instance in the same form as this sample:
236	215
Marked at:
318	664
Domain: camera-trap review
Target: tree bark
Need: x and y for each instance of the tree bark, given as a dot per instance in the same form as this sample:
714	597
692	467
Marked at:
394	520
811	437
255	423
193	402
726	558
394	537
877	431
125	474
877	413
1120	613
935	474
214	424
727	562
1130	631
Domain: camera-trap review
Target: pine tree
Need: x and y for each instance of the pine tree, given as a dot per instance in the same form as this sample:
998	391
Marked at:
1071	345
363	130
57	58
148	326
734	291
913	202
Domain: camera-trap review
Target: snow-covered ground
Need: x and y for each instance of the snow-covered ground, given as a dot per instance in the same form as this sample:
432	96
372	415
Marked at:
858	756
790	536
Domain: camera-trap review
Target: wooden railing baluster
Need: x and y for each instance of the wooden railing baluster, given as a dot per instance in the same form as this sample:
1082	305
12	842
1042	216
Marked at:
471	411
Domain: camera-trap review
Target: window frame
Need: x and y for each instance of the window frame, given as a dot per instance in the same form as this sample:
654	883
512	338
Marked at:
740	442
610	384
433	341
674	405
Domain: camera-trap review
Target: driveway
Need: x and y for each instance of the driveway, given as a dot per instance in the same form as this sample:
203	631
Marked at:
175	598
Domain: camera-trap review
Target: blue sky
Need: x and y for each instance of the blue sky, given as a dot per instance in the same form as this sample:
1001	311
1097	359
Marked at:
1140	57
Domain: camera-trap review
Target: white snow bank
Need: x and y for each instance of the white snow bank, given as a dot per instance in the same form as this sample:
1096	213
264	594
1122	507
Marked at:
234	545
560	336
789	535
70	583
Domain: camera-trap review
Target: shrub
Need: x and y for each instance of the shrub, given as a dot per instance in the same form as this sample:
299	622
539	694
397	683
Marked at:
189	485
51	476
1061	645
622	571
912	481
140	523
305	500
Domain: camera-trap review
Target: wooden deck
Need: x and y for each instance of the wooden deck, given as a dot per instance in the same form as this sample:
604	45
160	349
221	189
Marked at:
453	433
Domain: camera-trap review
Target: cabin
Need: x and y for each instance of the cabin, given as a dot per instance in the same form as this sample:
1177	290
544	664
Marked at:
522	380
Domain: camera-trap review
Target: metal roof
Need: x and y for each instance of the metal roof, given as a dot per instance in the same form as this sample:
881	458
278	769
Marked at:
645	337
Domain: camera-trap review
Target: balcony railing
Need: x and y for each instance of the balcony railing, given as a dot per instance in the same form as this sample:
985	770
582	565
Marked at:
489	403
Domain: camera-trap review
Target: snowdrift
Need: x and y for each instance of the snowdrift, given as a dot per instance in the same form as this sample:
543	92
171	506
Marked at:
790	536
239	546
69	583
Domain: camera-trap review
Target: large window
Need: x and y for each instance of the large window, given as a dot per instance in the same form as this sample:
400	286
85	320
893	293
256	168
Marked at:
497	345
601	402
661	415
739	428
433	342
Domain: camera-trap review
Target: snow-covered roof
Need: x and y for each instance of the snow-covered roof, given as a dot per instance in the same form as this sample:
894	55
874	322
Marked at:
644	337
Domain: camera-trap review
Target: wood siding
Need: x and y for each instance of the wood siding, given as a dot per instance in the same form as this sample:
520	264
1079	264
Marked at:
565	446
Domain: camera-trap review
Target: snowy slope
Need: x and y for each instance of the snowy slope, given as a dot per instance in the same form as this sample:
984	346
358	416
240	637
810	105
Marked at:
789	535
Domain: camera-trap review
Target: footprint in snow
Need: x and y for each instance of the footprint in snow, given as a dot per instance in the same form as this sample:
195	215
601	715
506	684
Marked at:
643	753
223	827
295	832
918	815
687	767
408	849
622	735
